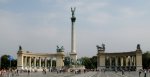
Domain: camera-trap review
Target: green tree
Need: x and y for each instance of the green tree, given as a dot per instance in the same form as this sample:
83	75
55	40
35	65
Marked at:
94	62
14	63
86	62
67	61
89	63
146	60
6	63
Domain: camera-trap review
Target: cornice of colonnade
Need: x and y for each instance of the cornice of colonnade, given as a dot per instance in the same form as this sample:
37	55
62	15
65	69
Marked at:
31	54
131	53
38	54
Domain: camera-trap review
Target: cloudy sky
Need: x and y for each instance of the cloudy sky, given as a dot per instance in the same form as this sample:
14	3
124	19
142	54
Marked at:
40	25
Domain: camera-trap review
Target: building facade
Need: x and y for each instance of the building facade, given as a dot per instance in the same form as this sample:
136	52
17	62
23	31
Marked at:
37	61
119	60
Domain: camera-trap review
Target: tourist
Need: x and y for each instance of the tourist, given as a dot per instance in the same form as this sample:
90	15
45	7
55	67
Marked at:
28	72
122	72
44	71
145	73
139	73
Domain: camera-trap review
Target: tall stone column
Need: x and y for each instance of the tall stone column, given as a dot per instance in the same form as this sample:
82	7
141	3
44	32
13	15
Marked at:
39	62
134	61
25	61
127	61
110	62
51	64
130	60
30	62
116	61
73	53
45	62
34	62
121	61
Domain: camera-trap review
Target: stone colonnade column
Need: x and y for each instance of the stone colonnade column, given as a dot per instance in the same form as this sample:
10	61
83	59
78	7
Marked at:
39	62
121	61
25	61
116	61
126	61
51	62
30	62
130	60
110	62
134	61
34	62
45	62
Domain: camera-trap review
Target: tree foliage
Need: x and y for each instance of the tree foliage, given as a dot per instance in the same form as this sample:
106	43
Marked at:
89	63
67	61
146	60
6	63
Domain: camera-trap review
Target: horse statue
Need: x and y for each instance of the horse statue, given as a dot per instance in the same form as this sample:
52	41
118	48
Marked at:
101	47
60	49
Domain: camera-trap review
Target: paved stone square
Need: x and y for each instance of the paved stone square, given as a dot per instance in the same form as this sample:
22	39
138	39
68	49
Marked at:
87	74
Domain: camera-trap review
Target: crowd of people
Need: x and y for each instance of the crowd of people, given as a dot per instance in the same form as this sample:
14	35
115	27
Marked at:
15	72
9	72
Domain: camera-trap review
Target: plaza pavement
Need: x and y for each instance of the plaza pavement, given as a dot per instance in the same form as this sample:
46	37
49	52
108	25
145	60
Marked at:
87	74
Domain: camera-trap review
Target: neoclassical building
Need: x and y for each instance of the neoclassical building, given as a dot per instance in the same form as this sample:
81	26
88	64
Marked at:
38	61
119	60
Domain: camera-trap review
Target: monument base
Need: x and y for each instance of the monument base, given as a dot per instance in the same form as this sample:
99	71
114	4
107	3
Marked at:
73	56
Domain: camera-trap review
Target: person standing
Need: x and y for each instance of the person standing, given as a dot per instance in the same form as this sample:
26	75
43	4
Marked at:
139	73
145	73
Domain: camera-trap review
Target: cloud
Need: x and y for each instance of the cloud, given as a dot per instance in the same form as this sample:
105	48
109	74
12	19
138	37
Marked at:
9	23
99	19
128	12
5	1
16	30
40	28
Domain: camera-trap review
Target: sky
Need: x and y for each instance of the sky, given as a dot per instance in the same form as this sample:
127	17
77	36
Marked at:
40	25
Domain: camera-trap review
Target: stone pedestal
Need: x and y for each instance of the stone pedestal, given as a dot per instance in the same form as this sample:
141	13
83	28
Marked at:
73	57
101	61
60	60
20	60
138	60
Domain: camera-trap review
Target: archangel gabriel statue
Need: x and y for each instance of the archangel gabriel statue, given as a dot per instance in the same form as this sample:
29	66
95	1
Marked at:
73	10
